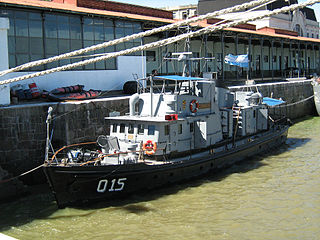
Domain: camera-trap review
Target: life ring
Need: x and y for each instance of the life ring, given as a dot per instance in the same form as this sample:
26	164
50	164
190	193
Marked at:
194	106
149	147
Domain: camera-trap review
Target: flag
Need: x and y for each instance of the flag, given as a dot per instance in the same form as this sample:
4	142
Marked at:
238	60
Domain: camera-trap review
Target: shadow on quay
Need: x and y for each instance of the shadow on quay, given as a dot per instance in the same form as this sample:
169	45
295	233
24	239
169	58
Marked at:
41	205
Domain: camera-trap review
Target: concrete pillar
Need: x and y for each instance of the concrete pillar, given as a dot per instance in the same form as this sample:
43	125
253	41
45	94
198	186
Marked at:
4	60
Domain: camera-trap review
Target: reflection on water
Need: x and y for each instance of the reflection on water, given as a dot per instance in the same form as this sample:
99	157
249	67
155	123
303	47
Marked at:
275	196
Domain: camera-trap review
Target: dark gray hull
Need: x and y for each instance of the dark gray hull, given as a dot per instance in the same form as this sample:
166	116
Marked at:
76	185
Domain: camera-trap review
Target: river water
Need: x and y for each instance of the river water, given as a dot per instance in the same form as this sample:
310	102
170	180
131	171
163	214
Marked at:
274	196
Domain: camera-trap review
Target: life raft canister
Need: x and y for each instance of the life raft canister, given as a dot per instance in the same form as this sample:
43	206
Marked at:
149	147
194	106
35	92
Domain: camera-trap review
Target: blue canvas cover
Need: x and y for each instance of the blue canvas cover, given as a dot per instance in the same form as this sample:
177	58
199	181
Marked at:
272	101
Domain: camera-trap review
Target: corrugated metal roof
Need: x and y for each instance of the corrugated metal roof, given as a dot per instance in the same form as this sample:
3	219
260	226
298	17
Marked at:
76	9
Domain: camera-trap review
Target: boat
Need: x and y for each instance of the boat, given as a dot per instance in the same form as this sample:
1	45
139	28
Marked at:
316	91
177	128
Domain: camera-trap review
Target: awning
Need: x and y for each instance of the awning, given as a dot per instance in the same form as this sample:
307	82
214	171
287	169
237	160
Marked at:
177	78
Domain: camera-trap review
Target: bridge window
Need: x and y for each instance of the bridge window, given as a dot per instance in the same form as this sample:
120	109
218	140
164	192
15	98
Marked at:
114	127
151	129
122	128
131	129
140	128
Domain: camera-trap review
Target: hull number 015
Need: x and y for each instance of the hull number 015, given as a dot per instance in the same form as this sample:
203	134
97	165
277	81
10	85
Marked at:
113	186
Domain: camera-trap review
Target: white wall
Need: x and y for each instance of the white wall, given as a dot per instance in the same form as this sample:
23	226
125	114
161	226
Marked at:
94	79
4	60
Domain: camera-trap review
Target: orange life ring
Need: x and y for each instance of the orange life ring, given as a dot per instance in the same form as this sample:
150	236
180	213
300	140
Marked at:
149	147
194	106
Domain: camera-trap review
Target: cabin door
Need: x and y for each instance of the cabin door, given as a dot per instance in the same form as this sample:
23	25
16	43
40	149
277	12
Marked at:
200	134
173	137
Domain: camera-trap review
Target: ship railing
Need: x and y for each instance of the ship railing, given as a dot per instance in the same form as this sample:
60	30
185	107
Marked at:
142	154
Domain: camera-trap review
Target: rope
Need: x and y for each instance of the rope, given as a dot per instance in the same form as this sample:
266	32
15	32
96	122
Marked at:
22	174
206	30
291	104
135	36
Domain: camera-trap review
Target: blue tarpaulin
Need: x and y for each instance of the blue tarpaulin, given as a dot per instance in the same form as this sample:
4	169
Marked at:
272	101
237	60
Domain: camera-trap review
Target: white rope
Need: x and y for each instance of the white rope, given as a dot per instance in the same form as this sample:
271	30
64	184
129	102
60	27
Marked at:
292	104
135	36
160	43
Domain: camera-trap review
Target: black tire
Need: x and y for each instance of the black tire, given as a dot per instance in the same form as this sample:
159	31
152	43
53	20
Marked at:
130	87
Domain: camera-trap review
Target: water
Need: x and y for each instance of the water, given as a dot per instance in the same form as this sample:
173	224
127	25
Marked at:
274	196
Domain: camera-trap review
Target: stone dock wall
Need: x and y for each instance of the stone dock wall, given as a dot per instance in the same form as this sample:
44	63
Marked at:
23	130
294	93
23	127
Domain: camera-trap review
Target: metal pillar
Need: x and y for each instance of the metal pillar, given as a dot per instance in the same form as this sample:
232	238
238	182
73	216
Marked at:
249	57
281	64
236	49
206	51
290	54
299	59
306	63
314	58
261	59
222	57
271	59
166	49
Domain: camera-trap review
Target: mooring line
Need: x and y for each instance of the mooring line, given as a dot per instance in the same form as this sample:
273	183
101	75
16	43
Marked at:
22	174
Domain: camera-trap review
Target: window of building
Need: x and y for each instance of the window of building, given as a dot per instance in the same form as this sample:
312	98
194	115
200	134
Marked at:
151	129
140	128
125	28
35	35
151	56
166	130
266	58
274	59
122	128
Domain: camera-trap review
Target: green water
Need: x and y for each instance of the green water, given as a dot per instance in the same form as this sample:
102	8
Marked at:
275	196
